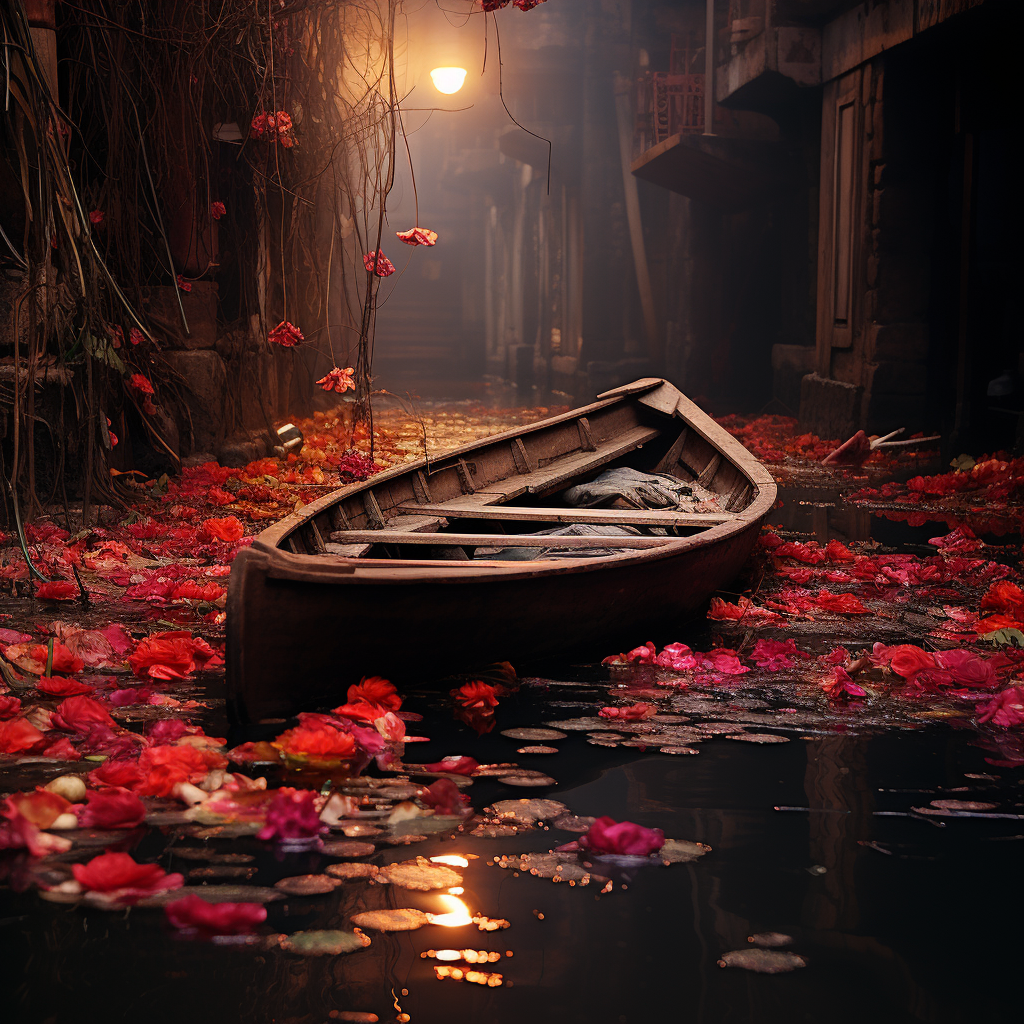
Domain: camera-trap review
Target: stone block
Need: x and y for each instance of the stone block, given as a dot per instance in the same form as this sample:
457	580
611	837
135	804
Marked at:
160	304
830	408
908	341
205	377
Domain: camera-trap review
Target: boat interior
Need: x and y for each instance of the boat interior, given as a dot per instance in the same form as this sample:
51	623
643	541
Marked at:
503	498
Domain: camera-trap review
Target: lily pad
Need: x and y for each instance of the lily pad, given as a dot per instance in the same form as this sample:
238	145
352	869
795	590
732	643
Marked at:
198	853
536	779
347	848
719	728
419	874
349	870
324	943
216	894
670	719
402	840
537	750
559	867
963	805
357	830
681	851
573	822
307	885
495	831
526	812
405	920
533	734
679	750
763	961
770	939
582	724
221	871
757	737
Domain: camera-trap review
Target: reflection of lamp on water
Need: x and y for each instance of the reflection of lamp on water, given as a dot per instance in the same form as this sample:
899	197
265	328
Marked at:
448	80
457	916
451	858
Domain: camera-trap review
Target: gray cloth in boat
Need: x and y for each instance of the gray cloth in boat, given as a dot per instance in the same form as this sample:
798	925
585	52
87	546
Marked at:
630	486
542	553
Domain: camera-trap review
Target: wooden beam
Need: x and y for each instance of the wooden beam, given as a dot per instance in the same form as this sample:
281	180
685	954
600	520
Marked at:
495	540
611	516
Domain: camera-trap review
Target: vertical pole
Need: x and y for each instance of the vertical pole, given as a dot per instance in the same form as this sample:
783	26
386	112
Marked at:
709	69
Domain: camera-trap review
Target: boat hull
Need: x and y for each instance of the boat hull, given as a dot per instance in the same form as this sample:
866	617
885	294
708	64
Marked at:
298	643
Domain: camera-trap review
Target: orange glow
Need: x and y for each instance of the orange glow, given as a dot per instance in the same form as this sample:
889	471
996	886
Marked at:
457	916
450	858
448	80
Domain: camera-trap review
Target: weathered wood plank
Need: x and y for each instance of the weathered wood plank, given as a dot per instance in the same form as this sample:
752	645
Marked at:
496	540
613	516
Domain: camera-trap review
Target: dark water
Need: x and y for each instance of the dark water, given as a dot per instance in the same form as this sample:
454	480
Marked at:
921	926
926	931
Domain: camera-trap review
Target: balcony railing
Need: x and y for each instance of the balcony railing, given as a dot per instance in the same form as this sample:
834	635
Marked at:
671	102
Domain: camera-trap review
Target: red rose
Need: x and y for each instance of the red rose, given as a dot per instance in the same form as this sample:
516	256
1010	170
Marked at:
117	876
59	686
79	714
445	797
476	695
18	735
375	690
111	808
622	838
193	913
228	529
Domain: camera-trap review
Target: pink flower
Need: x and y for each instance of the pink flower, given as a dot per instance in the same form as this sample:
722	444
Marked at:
644	655
141	384
967	669
841	684
185	286
1006	709
454	765
418	236
633	713
723	660
338	380
292	814
286	334
194	914
384	267
526	5
493	5
96	217
775	655
217	210
677	657
622	838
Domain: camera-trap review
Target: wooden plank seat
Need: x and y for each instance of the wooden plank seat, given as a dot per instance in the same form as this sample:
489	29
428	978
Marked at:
496	540
615	516
561	470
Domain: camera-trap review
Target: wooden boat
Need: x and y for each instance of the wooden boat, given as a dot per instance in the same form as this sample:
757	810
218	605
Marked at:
378	578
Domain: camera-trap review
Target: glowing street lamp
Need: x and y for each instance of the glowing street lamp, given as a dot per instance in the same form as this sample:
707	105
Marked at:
448	80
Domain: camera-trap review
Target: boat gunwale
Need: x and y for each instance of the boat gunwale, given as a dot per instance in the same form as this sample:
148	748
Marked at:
340	569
